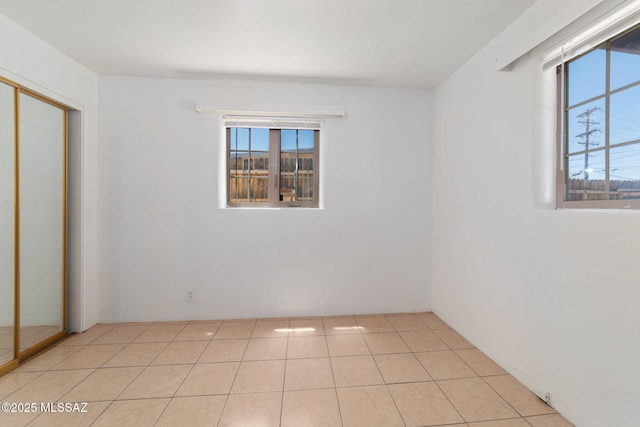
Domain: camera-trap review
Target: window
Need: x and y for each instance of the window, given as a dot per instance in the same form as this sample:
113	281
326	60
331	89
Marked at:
272	163
599	132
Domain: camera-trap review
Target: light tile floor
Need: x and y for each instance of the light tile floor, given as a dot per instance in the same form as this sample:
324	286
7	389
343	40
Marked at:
383	370
29	336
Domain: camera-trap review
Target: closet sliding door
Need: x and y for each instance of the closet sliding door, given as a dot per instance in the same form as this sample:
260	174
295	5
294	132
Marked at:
41	207
33	164
7	223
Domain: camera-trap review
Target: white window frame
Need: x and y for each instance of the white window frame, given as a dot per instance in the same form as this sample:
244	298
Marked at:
603	36
277	196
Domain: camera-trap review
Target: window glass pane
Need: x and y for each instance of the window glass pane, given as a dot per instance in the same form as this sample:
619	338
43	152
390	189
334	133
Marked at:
624	124
586	180
296	165
305	140
258	189
625	59
585	130
305	187
238	186
586	76
236	161
232	139
259	139
259	162
248	164
624	163
238	174
287	175
288	140
259	175
241	137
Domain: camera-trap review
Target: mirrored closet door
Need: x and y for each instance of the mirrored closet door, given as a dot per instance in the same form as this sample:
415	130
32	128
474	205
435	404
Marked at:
7	223
41	205
33	223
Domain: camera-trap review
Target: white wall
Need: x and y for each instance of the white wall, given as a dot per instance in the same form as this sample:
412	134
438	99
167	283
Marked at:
31	62
552	295
161	230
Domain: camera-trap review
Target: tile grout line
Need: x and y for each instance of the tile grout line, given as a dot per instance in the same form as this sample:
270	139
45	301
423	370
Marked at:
386	386
284	375
478	376
183	380
255	322
502	398
192	367
64	394
385	382
130	382
433	379
449	400
333	378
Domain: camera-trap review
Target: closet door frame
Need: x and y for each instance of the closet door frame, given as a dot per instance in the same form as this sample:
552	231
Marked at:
20	356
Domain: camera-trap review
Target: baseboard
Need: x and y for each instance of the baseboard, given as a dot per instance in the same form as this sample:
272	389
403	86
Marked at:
539	389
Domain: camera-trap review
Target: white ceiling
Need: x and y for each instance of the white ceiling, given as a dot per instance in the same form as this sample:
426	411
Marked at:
399	43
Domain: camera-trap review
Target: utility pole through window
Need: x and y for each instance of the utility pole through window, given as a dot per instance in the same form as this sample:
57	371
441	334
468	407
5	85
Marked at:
588	119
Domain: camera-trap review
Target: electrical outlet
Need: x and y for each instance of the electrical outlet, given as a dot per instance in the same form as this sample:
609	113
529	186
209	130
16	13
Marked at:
189	295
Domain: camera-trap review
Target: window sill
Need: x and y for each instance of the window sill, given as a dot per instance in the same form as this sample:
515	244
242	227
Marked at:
596	205
267	208
598	210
